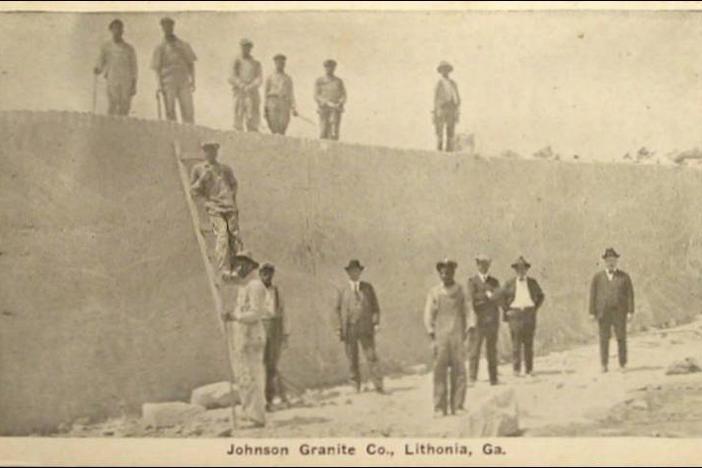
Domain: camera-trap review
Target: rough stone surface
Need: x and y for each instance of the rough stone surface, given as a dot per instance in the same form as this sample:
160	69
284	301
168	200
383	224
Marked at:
216	395
495	416
686	366
169	414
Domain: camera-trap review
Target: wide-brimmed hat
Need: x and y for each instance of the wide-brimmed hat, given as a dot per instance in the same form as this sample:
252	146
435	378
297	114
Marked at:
245	41
610	252
329	63
446	262
354	264
444	64
267	266
521	261
209	145
483	258
246	255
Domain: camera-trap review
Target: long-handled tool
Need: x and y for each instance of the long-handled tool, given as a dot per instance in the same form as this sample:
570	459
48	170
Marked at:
306	119
211	276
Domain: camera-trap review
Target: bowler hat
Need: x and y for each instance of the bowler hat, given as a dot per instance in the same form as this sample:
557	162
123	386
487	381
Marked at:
444	64
354	264
446	263
246	255
115	22
267	266
329	63
279	57
482	258
168	20
245	41
209	145
521	261
610	252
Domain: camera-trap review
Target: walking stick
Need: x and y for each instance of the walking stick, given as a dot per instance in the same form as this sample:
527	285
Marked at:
306	119
95	81
211	276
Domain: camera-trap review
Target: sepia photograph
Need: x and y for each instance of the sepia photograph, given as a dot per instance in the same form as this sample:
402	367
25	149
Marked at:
430	233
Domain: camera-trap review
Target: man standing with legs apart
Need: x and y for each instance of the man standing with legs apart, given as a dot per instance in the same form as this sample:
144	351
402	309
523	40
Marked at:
447	105
612	305
215	182
174	64
357	318
248	339
276	334
446	319
117	61
246	77
482	289
522	296
279	98
330	94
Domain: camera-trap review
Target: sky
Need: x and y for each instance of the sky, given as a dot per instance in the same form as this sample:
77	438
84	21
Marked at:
598	84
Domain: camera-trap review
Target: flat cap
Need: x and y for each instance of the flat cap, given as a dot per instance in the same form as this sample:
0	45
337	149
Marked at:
247	256
267	266
167	20
277	57
446	263
245	41
482	258
444	64
115	22
209	145
330	63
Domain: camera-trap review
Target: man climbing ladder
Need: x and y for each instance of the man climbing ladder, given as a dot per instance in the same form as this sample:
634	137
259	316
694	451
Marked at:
215	182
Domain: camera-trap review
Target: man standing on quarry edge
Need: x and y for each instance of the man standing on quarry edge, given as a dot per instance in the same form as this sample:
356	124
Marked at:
446	319
357	318
215	182
117	61
447	104
279	97
612	305
330	95
246	77
174	64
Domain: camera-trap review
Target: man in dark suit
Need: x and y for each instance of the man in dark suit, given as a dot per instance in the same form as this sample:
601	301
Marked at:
357	318
521	298
481	295
612	304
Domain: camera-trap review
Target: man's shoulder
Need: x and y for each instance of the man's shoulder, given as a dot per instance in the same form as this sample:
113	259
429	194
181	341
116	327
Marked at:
623	274
599	275
256	285
366	284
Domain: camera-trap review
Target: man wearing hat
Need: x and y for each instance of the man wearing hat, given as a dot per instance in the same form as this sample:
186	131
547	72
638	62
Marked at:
279	99
482	289
357	318
274	324
117	62
245	78
446	107
174	63
215	182
248	338
612	304
521	298
446	319
330	94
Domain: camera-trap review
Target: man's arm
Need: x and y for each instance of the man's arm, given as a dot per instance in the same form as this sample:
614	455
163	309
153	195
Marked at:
291	90
258	78
156	65
430	313
342	98
234	75
338	317
539	293
593	297
318	93
280	304
133	69
630	295
375	306
101	60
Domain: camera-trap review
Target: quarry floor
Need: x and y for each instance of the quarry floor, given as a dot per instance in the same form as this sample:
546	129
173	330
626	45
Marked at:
568	396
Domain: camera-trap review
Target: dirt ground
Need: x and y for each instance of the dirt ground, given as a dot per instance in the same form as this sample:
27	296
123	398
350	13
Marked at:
568	396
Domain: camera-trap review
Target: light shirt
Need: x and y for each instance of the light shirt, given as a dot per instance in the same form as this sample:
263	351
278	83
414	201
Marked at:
217	184
446	92
483	277
246	73
251	299
355	286
329	89
610	274
281	86
172	61
117	61
522	298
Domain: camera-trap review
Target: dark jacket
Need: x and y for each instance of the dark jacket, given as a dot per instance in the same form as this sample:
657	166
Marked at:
360	311
487	309
508	292
616	296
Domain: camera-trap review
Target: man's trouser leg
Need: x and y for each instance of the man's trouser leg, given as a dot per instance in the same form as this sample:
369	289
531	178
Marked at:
351	344
185	102
457	360
113	99
335	124
491	334
170	92
277	115
221	233
450	129
324	123
368	345
441	366
475	343
253	114
239	111
271	355
515	331
605	330
620	333
248	341
528	339
439	130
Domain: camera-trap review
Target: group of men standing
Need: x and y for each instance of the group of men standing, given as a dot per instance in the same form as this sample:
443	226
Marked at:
173	62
